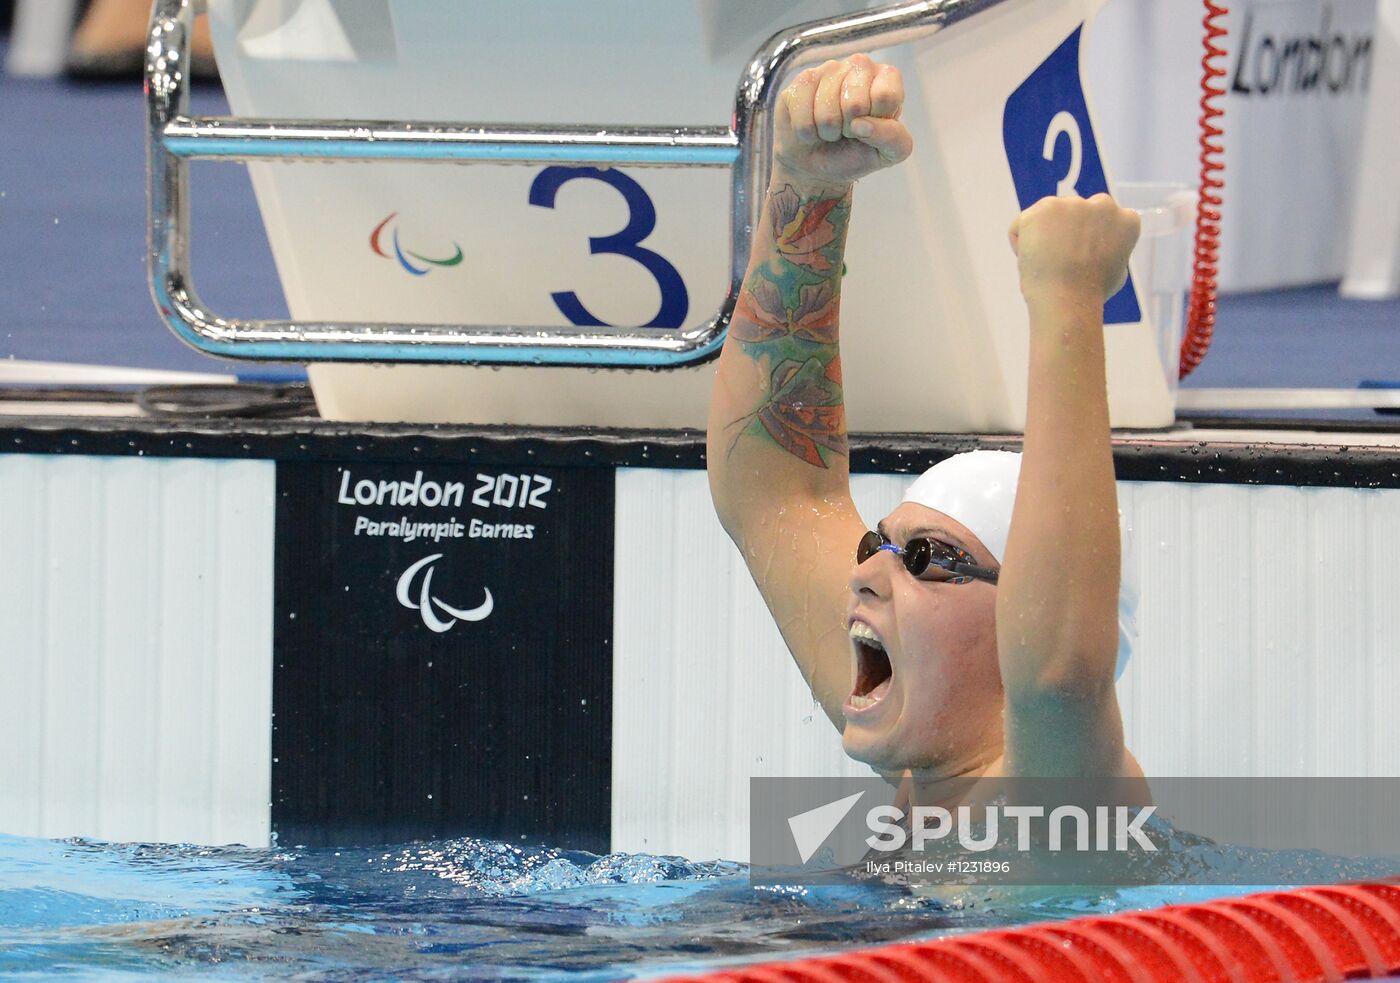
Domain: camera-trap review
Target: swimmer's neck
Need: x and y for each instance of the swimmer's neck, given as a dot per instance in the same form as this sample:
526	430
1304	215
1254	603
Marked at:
947	787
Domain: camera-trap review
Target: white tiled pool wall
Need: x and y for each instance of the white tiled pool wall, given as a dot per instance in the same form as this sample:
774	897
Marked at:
136	648
136	636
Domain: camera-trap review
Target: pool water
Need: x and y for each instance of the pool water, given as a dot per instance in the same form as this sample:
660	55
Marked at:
459	909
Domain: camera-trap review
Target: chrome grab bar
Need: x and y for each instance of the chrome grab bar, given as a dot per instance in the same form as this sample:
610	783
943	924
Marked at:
175	138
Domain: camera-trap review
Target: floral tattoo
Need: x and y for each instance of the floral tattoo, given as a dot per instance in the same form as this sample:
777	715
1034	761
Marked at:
786	319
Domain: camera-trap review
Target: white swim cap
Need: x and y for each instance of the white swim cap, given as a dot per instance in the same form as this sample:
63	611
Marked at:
978	488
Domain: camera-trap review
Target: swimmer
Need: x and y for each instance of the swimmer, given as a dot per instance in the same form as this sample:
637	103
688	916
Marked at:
974	634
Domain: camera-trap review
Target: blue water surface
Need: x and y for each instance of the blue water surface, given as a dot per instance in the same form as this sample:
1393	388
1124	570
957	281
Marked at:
463	909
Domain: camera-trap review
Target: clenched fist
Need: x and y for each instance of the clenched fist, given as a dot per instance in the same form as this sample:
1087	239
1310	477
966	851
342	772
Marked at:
839	122
1074	246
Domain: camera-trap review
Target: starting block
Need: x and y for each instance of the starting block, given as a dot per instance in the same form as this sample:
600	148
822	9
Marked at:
603	279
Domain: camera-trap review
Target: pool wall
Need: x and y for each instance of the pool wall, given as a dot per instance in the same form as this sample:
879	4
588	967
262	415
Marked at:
136	665
158	684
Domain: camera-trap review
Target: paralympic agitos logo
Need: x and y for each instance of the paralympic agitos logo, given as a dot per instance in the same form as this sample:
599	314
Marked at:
426	601
376	243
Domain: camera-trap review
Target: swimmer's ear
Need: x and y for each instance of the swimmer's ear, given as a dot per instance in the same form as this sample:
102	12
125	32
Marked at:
1014	234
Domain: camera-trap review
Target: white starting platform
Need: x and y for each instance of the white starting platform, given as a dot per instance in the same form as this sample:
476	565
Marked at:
935	328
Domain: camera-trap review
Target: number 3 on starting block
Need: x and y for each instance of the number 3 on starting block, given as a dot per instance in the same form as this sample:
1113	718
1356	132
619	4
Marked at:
1051	150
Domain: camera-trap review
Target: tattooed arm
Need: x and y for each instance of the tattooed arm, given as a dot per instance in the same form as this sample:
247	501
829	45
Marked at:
777	454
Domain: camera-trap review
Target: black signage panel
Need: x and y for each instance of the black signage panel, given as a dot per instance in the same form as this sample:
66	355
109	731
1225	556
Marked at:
442	650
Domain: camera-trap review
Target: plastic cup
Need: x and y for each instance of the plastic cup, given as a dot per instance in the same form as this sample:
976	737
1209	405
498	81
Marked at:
1161	261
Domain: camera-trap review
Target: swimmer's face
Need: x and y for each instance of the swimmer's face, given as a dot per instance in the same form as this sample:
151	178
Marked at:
933	698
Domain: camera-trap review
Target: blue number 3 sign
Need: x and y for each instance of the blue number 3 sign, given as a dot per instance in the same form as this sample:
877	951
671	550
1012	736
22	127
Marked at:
641	220
1051	149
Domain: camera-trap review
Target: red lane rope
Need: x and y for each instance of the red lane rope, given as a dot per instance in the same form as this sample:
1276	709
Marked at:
1200	311
1335	932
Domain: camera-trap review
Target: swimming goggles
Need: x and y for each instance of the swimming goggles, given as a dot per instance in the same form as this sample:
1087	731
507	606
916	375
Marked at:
920	554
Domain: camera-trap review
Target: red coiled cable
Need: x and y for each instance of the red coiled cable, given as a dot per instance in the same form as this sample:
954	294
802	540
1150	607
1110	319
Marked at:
1200	311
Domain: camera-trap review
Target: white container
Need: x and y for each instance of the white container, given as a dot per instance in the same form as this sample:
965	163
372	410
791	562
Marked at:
1161	262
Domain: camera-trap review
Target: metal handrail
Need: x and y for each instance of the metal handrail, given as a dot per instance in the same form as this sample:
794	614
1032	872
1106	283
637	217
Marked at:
175	138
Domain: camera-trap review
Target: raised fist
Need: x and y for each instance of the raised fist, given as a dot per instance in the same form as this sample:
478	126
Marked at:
839	122
1074	244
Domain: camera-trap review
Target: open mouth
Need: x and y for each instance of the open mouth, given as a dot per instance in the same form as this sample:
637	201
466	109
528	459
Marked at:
873	670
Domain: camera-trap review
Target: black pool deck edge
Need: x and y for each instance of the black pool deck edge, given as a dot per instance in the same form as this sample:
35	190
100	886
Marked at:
1336	463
